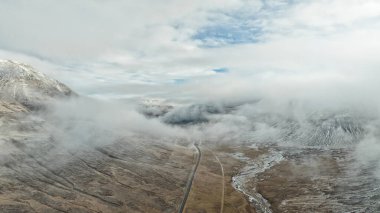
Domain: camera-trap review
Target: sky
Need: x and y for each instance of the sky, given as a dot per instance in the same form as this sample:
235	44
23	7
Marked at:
322	52
199	48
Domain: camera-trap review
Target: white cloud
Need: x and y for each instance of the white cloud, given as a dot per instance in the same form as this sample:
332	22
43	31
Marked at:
89	28
92	43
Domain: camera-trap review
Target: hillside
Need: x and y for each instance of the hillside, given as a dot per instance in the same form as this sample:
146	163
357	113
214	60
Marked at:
40	173
20	83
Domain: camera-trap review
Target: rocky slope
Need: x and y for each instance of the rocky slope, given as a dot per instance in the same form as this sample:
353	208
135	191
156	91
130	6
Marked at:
20	83
9	107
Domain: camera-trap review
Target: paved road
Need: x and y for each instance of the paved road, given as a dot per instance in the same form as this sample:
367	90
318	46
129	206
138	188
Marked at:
190	181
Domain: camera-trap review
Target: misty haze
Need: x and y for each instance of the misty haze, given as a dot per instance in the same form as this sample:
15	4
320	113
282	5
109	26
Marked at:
256	106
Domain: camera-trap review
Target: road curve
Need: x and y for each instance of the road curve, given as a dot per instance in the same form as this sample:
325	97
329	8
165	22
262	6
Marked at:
190	181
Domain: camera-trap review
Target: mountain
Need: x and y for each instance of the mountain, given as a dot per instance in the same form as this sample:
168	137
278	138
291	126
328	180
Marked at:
22	85
153	108
43	170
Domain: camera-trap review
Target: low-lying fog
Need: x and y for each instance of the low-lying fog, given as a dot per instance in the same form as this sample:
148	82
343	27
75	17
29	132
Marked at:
329	111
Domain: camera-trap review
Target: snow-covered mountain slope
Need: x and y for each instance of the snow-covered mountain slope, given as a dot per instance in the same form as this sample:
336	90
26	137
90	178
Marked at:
253	122
316	129
20	83
155	107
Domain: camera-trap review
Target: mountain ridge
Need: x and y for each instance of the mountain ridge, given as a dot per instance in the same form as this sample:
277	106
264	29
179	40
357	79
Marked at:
21	84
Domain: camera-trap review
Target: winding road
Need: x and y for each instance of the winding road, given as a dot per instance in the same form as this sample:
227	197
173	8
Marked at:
190	180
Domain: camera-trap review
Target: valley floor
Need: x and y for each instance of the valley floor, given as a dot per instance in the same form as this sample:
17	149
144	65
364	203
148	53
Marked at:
144	175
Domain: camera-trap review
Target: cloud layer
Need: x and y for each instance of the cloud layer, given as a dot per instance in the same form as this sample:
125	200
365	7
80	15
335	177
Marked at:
297	58
91	44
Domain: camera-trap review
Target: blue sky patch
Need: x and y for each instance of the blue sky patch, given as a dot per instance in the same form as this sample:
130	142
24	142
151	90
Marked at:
241	26
179	81
220	35
221	70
